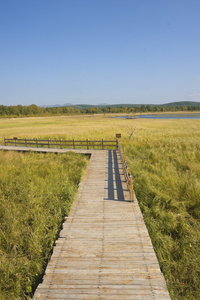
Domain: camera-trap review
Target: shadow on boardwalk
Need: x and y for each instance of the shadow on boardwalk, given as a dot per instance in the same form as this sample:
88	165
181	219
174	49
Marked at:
114	186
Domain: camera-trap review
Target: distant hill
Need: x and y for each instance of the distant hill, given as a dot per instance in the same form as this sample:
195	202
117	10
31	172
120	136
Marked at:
182	103
85	106
82	106
57	105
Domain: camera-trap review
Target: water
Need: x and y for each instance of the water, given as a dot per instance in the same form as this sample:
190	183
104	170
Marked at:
194	116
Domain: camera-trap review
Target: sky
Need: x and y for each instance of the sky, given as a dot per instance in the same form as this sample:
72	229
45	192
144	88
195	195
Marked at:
99	51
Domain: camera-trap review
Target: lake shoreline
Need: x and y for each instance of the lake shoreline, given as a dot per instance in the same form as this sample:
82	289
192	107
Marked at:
189	116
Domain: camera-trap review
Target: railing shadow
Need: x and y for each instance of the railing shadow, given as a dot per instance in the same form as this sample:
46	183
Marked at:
115	189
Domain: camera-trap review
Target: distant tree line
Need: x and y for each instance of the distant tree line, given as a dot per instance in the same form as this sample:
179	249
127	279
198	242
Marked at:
34	110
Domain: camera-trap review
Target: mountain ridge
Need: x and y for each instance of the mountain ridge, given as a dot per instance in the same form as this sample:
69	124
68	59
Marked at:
82	106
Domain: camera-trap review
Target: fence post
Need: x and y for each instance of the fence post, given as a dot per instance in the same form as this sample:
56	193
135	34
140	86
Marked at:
37	142
5	141
74	144
87	145
26	142
15	141
60	143
102	145
131	186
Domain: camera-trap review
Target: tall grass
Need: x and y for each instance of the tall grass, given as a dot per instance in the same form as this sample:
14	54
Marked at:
36	192
166	170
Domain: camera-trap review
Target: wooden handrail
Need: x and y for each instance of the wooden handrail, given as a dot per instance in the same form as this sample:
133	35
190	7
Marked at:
126	171
87	144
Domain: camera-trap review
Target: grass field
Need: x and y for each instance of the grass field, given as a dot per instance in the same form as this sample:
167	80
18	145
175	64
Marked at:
36	192
164	158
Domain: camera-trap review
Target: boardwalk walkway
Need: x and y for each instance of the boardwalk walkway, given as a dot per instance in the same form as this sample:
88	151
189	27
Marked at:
104	250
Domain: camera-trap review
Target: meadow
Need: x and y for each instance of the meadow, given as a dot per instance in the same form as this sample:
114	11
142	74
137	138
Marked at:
164	158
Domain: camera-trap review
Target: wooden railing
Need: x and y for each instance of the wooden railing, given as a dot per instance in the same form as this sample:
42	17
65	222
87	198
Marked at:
71	144
78	144
126	170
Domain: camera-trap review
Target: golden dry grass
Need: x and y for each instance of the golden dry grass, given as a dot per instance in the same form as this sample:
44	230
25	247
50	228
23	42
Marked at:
82	127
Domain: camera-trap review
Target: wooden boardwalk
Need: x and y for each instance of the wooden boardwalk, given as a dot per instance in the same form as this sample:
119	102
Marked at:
104	250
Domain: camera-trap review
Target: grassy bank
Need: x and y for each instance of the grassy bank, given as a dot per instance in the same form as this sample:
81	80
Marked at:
36	192
164	157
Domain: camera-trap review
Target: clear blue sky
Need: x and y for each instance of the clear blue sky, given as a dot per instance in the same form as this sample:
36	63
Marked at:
99	51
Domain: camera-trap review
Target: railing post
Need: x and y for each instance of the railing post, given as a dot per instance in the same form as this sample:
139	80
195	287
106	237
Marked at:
102	144
126	170
131	187
15	142
37	142
74	144
48	143
26	142
87	144
5	141
60	143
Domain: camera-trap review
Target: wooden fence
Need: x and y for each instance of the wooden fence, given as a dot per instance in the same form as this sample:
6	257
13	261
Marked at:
71	144
127	174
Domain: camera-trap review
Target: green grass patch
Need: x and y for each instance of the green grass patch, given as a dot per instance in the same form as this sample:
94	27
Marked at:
36	192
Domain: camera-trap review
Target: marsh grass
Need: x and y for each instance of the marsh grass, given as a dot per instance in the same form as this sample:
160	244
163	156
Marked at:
164	157
166	170
36	192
